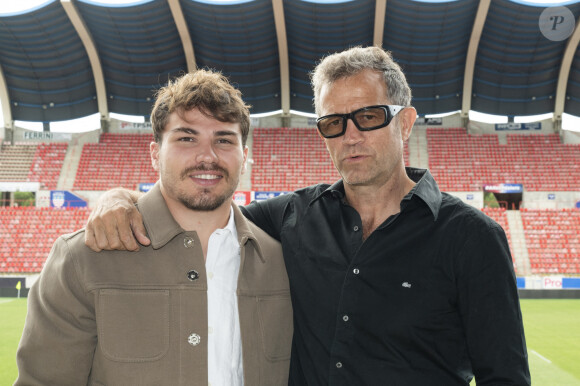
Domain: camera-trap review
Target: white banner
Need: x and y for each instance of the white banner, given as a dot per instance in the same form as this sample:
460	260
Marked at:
552	282
131	126
46	136
19	186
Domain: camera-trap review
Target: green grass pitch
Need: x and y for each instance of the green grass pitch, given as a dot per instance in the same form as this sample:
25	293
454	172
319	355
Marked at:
552	332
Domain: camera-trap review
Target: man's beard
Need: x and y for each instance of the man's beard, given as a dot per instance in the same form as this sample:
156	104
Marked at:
205	201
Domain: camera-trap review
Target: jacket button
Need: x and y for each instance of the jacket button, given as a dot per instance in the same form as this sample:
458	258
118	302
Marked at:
194	339
188	242
193	275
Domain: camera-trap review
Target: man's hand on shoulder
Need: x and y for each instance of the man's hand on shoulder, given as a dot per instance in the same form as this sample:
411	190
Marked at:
115	223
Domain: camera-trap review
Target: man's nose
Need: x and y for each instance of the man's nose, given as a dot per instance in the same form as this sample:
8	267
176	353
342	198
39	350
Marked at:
206	153
352	133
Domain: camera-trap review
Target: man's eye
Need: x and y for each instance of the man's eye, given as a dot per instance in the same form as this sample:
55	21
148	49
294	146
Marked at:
186	139
369	117
335	122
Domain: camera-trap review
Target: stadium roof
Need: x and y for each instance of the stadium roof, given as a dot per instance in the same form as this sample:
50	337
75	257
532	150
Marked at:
67	59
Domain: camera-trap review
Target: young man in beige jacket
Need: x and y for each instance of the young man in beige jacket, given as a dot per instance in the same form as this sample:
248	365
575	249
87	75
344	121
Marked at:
207	302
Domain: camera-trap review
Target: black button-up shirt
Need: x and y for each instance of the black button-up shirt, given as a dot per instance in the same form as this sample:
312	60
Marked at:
429	298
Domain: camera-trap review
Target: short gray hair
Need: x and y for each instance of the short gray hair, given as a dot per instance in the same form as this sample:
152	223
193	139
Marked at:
354	60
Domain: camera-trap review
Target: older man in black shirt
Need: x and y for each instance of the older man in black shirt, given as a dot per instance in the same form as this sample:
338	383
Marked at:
392	281
429	298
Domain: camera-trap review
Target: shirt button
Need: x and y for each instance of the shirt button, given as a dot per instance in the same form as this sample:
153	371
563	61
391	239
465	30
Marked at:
192	275
210	329
355	228
188	242
210	275
355	271
345	318
194	339
338	365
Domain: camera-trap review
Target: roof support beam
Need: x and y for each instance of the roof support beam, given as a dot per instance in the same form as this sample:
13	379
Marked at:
186	42
85	36
280	22
5	100
567	59
476	32
380	10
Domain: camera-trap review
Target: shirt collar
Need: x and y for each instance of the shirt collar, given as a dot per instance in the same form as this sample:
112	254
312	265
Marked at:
159	222
162	227
231	226
425	188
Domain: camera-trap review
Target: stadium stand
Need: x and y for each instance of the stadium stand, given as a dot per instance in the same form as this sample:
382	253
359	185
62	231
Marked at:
289	159
47	164
553	240
117	160
466	162
32	163
28	234
16	161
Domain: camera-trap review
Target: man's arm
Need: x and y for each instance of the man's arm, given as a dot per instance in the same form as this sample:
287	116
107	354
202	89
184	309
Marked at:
268	214
489	306
116	224
60	333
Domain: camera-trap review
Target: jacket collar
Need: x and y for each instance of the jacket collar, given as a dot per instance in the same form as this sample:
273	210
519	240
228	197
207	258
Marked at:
245	232
159	222
425	188
162	227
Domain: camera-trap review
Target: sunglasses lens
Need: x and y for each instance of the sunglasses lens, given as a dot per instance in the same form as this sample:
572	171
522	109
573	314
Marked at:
331	125
371	118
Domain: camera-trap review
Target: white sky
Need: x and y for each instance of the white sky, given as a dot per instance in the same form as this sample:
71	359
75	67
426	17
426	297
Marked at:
92	122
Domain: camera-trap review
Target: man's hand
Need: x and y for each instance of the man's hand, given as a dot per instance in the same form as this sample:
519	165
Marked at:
116	224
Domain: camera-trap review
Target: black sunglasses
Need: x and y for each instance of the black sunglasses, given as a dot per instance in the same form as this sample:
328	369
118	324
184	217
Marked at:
365	119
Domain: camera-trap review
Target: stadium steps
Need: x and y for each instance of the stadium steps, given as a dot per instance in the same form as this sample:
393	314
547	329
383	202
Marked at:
518	242
69	169
46	166
15	162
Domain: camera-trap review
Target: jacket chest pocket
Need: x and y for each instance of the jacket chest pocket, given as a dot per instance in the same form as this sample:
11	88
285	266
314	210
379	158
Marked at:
133	325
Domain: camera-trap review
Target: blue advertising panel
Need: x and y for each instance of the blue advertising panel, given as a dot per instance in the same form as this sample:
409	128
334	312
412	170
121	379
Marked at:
261	196
145	187
504	188
571	282
65	199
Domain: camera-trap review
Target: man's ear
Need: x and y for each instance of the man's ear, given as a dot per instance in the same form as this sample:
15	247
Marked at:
407	119
245	162
154	148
